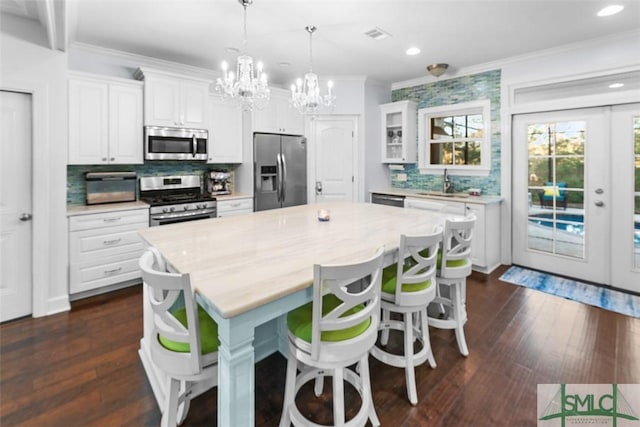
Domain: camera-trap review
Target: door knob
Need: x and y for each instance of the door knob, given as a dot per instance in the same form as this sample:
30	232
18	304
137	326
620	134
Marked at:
599	191
318	187
599	203
25	217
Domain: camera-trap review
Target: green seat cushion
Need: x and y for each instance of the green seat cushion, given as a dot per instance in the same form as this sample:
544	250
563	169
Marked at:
300	320
208	333
389	278
451	262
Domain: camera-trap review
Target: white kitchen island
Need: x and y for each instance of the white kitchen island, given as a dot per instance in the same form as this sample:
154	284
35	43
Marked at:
249	270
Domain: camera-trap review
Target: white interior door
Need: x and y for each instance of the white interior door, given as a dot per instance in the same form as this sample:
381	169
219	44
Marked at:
561	193
334	146
625	144
15	205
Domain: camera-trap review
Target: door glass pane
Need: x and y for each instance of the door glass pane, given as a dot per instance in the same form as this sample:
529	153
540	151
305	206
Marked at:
636	212
556	188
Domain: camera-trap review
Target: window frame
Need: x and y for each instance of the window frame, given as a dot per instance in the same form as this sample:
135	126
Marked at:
462	109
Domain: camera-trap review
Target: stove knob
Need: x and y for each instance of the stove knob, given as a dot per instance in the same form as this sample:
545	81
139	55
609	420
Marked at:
165	210
172	209
186	207
202	206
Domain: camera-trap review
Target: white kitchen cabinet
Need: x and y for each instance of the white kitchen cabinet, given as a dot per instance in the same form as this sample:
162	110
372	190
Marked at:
104	249
225	131
485	247
236	206
278	116
399	132
172	100
105	121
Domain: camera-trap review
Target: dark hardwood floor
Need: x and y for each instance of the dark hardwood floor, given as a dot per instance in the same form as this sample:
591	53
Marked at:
81	368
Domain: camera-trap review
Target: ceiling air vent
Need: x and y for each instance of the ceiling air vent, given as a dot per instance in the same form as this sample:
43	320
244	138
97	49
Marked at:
377	34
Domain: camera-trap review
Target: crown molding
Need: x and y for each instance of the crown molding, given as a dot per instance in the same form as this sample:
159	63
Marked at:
498	64
137	61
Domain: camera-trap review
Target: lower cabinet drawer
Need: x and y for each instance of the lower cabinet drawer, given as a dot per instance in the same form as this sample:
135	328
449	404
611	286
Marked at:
111	270
234	207
96	244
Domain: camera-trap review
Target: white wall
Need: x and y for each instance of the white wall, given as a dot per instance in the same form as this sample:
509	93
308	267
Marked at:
26	64
377	174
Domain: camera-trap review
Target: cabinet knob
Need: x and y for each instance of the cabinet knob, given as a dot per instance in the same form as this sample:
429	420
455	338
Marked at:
112	159
104	159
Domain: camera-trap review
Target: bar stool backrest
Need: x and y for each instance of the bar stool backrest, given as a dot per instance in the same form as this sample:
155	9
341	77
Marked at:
456	247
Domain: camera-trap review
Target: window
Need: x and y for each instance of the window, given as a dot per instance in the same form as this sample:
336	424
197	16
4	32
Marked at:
455	137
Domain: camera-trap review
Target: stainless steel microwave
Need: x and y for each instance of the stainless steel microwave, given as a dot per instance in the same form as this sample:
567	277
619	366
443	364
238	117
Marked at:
163	143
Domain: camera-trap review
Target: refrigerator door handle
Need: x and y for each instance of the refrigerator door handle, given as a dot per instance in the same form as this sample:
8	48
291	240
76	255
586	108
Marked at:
284	176
279	177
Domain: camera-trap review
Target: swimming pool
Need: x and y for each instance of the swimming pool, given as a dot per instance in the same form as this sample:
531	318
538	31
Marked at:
572	223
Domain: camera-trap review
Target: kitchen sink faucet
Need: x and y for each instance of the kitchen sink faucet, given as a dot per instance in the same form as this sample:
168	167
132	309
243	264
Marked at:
447	186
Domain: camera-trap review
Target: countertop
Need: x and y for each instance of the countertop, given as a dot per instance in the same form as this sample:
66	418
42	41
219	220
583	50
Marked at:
234	196
75	209
270	254
426	194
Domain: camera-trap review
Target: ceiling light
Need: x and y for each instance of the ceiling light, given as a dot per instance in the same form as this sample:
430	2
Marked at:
413	51
437	70
305	95
246	85
616	85
610	10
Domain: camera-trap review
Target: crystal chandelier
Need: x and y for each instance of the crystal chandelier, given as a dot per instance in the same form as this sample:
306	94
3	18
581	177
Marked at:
305	95
247	86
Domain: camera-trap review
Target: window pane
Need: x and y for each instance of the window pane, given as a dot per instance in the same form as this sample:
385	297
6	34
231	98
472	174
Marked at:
441	128
540	140
467	153
442	154
540	169
570	137
460	127
570	170
476	126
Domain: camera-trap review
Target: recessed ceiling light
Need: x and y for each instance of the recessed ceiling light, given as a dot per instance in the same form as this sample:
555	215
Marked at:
616	85
610	10
413	51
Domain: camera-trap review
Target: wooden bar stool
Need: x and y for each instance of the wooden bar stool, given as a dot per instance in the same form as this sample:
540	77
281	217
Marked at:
336	330
407	288
454	265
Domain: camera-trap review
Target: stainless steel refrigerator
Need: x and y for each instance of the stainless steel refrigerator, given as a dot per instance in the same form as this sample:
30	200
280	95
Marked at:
280	170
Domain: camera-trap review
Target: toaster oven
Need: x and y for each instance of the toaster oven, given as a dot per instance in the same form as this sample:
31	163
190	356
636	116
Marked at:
110	187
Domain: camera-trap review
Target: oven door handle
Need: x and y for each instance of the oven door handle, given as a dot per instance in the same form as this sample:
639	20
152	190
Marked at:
195	144
184	214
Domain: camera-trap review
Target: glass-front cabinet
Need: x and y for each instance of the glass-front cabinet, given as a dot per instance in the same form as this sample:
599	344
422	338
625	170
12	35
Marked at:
399	132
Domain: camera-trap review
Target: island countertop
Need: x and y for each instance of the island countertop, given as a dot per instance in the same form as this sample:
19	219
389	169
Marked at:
240	263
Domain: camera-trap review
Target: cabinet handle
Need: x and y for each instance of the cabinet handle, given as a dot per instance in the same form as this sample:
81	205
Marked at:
112	219
112	159
104	159
115	270
111	242
235	205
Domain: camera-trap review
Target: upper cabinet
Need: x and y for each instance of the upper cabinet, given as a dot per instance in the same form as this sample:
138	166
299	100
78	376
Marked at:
225	131
171	100
278	116
399	132
105	120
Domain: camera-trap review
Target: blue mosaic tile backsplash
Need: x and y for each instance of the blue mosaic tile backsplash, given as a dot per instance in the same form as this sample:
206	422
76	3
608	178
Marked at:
76	189
474	87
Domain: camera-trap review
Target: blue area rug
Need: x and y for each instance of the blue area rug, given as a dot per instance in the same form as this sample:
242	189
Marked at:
596	296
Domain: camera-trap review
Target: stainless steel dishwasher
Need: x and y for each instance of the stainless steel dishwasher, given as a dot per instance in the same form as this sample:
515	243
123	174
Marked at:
387	199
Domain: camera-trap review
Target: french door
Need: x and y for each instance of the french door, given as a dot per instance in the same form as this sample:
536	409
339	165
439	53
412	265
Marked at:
575	193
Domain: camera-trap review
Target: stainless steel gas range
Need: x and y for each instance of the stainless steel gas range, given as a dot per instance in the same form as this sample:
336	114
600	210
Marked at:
176	199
